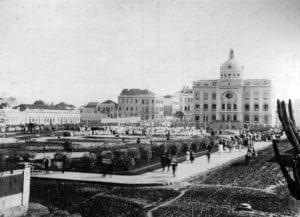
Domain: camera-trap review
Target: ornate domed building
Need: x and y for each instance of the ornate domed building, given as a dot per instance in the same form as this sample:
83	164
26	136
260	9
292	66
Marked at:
232	102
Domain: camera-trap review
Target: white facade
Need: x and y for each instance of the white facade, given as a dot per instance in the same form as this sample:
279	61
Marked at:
186	102
39	116
231	101
140	103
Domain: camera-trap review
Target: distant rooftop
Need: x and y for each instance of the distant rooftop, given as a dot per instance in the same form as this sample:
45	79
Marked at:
133	92
39	104
186	90
109	102
92	105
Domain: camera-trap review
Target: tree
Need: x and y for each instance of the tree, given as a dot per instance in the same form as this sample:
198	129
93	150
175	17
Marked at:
179	114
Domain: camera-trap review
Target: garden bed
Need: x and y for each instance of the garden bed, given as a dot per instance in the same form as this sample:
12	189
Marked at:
95	199
222	201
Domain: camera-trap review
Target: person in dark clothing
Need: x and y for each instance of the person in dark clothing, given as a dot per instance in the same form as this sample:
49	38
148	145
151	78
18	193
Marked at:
192	157
174	165
163	161
64	161
209	148
224	144
47	163
169	161
138	140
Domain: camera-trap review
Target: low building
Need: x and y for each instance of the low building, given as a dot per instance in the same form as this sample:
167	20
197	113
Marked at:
140	103
90	114
40	113
109	108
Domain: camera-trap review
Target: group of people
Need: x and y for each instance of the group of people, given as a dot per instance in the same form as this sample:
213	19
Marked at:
167	161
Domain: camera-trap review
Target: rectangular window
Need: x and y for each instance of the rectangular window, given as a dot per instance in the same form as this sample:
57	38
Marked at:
214	96
223	106
266	119
205	106
205	96
234	106
266	95
197	118
229	106
256	94
213	117
197	106
214	106
247	95
197	96
266	107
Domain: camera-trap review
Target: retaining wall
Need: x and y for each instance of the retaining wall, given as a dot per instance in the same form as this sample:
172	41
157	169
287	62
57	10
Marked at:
14	192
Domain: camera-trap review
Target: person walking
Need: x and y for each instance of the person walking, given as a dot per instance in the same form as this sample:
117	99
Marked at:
163	161
209	147
174	165
64	162
169	161
188	156
47	164
192	157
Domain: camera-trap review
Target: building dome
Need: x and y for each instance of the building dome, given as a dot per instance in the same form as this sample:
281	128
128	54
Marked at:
231	68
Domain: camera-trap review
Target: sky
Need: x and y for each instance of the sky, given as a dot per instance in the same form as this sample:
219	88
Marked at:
79	51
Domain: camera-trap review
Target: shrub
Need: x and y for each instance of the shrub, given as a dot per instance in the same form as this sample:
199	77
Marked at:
157	151
59	156
67	145
145	152
122	163
134	153
27	156
173	149
87	162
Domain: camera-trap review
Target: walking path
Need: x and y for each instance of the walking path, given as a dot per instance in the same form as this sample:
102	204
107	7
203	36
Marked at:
157	177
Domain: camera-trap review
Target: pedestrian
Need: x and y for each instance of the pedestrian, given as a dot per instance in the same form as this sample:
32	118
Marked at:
224	145
47	164
187	156
169	161
163	161
192	157
208	152
64	161
174	165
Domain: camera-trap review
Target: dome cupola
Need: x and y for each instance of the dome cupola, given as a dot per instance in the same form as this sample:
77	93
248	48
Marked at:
231	69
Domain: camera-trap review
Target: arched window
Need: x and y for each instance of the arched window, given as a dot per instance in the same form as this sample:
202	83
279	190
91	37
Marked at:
228	117
256	107
247	107
246	118
266	107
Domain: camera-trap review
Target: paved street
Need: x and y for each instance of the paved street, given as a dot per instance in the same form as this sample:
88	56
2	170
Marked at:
157	177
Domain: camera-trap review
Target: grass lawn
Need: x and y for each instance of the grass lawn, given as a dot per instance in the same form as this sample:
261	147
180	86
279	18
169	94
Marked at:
90	199
218	192
261	173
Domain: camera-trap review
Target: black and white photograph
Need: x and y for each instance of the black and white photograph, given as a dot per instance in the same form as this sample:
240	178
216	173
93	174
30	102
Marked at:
149	108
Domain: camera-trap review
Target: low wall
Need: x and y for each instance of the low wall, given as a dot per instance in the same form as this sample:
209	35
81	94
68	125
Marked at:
14	192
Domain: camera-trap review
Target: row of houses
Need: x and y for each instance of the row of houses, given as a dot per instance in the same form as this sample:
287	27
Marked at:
140	104
226	102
